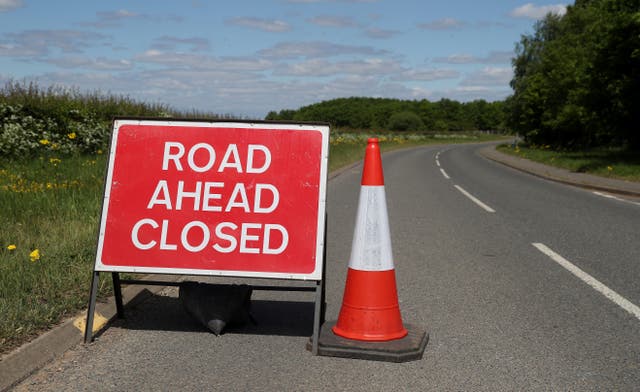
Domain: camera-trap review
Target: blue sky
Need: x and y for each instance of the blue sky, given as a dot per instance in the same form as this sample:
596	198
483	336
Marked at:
246	58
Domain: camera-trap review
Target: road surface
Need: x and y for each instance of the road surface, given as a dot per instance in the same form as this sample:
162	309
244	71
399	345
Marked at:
523	284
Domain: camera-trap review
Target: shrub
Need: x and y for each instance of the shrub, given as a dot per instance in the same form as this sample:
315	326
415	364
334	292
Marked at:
24	135
405	121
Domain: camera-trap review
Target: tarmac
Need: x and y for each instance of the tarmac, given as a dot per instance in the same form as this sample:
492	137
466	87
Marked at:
19	364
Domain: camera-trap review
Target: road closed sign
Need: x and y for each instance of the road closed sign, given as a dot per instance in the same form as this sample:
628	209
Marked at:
215	198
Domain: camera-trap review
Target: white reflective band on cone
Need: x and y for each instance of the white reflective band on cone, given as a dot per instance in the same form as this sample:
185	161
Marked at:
371	249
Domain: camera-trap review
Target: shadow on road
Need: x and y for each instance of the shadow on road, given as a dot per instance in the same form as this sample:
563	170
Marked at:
164	313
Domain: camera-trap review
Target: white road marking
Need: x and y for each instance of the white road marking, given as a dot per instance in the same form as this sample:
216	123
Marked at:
590	280
444	173
608	196
474	199
438	162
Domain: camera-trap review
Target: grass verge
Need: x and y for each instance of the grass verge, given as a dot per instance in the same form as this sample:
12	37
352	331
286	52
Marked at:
48	225
606	162
49	222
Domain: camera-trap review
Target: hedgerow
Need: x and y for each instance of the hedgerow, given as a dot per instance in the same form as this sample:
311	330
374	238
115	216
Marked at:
23	135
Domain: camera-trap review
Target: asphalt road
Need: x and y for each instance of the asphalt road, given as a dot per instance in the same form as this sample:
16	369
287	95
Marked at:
487	277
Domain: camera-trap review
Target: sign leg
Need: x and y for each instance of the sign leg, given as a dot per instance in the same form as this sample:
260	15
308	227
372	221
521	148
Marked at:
88	329
317	317
117	292
324	272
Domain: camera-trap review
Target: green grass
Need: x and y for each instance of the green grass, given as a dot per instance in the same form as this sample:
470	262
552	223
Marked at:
606	162
52	204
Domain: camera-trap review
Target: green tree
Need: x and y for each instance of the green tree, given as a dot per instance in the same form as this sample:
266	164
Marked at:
405	121
381	113
577	77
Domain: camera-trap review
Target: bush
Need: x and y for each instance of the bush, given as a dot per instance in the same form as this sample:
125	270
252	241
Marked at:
23	135
405	121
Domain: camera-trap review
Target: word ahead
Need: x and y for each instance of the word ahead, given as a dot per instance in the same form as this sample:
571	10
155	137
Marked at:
237	199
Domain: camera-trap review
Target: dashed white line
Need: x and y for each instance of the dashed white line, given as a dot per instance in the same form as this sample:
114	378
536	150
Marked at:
438	163
615	198
444	173
590	280
474	199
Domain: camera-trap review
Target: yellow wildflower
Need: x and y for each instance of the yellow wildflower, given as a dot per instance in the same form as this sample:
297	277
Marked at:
12	247
610	168
54	161
34	255
71	135
44	142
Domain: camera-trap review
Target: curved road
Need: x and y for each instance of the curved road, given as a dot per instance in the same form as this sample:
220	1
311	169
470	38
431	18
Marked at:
523	284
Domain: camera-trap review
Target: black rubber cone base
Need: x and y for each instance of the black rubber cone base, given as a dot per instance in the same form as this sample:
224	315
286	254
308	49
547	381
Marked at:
409	348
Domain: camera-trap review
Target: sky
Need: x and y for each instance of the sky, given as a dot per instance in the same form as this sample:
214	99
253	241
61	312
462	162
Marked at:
247	58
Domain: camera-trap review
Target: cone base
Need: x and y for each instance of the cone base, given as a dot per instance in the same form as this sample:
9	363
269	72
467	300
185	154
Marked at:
409	348
370	309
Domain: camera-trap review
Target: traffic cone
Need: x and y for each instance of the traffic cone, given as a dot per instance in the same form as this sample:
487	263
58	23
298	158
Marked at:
370	310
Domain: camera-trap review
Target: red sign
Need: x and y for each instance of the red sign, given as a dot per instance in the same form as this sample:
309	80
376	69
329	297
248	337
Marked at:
215	198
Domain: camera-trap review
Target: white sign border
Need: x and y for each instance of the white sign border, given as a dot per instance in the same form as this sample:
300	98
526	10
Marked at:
258	126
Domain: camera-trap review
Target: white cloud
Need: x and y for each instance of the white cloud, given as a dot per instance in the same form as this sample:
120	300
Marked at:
333	21
380	33
331	1
268	25
40	42
494	57
107	19
531	11
100	63
499	57
201	62
442	24
320	68
10	5
426	75
10	49
460	58
195	44
317	49
116	15
489	77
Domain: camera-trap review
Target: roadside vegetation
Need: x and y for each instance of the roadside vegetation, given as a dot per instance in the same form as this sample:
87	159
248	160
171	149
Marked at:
605	162
445	115
577	90
577	79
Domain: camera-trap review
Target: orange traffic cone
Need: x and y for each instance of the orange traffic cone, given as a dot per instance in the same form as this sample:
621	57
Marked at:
370	310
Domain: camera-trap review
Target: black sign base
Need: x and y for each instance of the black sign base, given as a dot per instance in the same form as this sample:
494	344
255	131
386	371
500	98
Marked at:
409	348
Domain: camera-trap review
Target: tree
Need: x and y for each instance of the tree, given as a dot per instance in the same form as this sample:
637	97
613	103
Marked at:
577	78
396	114
405	121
